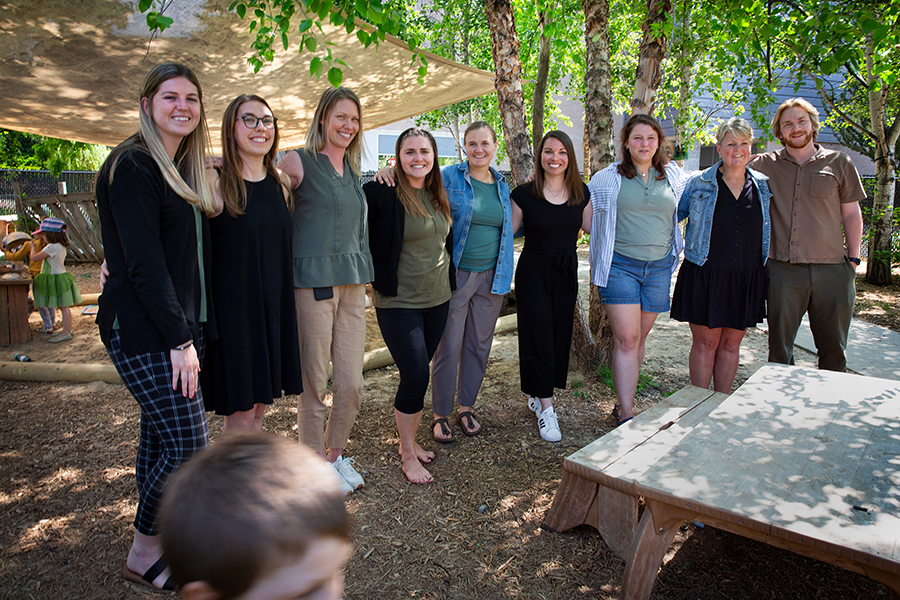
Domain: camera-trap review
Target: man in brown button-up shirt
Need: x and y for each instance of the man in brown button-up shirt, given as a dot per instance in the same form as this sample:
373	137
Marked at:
816	233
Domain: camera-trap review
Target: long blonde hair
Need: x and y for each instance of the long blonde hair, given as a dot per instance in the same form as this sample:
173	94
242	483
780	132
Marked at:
315	137
186	174
434	184
231	179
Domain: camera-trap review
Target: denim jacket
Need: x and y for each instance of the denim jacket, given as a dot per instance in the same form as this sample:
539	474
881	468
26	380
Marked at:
699	203
462	199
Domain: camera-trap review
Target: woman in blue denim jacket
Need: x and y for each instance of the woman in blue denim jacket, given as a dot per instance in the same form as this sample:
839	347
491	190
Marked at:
483	256
721	286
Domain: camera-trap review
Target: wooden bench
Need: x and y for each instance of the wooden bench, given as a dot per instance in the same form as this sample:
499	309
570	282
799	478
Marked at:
801	459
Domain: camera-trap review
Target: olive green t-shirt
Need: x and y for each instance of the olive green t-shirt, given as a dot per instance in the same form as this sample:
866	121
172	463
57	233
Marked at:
423	278
644	217
331	232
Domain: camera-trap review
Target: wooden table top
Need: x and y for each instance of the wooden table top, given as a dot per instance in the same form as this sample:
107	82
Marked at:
810	456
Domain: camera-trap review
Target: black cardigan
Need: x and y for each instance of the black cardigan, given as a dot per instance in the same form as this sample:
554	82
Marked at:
150	243
386	222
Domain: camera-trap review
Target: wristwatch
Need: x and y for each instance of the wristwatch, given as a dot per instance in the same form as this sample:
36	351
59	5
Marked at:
854	259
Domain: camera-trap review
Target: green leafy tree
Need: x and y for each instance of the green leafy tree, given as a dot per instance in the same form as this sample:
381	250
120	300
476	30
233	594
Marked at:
814	40
27	151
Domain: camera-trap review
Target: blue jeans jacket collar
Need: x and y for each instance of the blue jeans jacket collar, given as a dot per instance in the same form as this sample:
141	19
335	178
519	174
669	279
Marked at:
698	202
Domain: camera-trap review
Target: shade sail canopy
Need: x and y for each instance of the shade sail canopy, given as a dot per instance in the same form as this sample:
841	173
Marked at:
72	69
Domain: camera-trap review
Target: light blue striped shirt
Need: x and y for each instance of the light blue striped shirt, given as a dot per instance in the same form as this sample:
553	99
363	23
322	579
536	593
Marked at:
604	187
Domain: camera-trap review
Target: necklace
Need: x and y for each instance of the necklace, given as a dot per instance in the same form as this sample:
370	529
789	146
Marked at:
554	194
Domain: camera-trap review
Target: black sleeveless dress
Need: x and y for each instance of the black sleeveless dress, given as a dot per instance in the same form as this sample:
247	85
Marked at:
257	355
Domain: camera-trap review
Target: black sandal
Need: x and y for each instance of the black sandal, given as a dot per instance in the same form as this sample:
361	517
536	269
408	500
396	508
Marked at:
469	417
445	430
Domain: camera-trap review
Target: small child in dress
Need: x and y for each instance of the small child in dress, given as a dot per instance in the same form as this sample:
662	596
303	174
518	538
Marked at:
255	517
54	287
17	246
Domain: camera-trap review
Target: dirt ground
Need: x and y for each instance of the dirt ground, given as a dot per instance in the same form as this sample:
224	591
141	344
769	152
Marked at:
68	494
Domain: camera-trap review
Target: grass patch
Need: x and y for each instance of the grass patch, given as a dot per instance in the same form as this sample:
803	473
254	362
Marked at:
645	380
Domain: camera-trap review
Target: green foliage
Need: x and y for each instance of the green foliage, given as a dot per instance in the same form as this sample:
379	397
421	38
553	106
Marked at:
458	29
27	151
645	380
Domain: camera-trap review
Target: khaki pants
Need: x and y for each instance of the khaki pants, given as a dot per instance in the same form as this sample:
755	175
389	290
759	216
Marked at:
332	329
827	293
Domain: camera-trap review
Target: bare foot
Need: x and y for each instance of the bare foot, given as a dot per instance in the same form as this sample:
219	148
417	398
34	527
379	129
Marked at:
423	454
415	472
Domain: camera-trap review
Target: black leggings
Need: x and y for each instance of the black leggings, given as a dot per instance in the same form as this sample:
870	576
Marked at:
412	336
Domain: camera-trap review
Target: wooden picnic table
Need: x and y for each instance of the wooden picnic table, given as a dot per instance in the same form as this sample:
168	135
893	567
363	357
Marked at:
798	458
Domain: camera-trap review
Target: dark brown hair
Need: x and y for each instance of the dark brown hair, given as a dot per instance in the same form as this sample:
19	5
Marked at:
434	184
231	179
56	237
660	159
245	507
572	179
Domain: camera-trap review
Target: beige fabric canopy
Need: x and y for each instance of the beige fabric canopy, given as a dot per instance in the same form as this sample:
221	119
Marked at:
71	69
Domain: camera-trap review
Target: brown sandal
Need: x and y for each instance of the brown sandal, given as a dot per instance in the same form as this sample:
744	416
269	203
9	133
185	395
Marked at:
469	417
445	430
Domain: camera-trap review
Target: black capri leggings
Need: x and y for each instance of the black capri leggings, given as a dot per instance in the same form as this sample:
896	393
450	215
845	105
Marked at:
412	336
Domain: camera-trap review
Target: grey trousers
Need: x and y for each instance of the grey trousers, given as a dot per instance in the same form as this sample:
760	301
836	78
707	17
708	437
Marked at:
827	293
466	344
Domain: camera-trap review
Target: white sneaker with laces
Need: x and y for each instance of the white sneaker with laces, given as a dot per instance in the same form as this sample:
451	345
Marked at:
548	424
344	467
346	488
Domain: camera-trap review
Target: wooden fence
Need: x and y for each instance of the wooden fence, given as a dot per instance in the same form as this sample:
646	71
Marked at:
79	211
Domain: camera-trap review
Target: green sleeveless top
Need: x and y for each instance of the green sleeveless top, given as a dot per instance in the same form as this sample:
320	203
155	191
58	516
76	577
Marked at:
331	232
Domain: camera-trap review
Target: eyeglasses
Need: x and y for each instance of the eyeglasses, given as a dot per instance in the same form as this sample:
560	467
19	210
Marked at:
252	121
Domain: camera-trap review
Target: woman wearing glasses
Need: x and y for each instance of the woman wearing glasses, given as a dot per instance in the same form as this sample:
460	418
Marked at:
257	355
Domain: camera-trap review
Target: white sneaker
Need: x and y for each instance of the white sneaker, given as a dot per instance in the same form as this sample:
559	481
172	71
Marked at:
344	467
534	403
548	425
346	488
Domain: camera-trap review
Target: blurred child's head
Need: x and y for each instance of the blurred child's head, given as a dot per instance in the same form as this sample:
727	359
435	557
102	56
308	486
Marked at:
53	230
255	517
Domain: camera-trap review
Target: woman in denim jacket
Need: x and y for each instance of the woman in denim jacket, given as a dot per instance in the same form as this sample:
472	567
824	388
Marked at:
721	287
483	257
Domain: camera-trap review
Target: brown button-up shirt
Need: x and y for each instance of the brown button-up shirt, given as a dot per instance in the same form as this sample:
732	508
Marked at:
806	204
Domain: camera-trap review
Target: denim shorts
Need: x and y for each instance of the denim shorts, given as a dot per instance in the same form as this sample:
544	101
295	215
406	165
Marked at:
639	282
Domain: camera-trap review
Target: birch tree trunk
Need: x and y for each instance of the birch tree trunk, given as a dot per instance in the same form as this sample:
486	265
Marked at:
648	74
508	82
878	269
593	340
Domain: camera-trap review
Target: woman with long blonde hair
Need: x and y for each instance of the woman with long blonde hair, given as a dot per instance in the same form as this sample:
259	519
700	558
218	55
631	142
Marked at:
154	317
332	264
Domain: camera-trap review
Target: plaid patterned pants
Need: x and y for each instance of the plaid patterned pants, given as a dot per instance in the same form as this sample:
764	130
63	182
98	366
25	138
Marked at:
172	427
